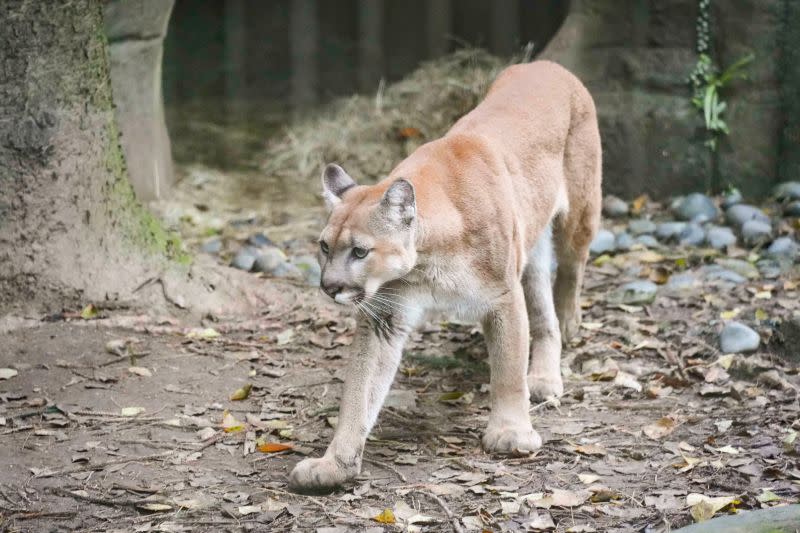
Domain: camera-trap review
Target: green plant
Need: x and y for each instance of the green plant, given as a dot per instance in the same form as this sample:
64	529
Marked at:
707	81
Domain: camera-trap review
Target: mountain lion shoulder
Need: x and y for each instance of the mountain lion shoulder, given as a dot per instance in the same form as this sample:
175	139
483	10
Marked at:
469	224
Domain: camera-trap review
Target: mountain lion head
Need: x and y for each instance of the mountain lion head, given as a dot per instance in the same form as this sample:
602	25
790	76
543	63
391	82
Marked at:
369	238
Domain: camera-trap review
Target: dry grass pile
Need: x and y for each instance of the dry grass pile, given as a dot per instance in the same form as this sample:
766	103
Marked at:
368	135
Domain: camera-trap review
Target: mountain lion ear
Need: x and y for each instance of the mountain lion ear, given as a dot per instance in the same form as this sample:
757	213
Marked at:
335	181
400	202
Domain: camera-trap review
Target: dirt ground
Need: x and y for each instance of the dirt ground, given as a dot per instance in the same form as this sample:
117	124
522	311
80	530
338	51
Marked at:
118	423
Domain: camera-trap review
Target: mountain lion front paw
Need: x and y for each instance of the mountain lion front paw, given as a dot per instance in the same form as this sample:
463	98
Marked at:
318	476
512	440
545	388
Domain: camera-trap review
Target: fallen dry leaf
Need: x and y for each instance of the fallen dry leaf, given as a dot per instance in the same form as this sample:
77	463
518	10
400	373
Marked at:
386	517
242	393
273	447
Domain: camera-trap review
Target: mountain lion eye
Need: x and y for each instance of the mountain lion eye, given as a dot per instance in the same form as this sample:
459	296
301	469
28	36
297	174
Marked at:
360	253
324	247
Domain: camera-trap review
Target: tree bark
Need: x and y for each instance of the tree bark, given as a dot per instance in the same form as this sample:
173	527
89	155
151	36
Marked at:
71	229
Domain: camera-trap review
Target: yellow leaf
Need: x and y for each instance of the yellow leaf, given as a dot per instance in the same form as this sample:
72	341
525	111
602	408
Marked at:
230	424
728	315
207	333
601	260
450	396
649	256
89	312
761	315
242	393
386	517
763	295
274	447
638	204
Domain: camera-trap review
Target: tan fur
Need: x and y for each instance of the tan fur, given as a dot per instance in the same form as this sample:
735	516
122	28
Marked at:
488	203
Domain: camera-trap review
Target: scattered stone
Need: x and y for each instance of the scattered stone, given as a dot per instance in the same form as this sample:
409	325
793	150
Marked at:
783	247
792	210
641	226
259	240
741	213
755	232
738	338
212	246
682	282
603	242
741	267
692	235
287	270
667	231
717	273
309	266
624	241
245	258
720	237
772	267
269	259
697	204
731	198
636	293
614	207
789	190
648	241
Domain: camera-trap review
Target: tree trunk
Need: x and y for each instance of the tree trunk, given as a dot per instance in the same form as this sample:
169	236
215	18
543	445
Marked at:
71	230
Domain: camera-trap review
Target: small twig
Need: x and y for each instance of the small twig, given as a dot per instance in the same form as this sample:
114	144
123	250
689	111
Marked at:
453	520
16	430
387	466
32	515
99	501
100	466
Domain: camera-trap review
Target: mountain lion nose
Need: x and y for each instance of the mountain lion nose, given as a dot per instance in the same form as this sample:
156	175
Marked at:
332	290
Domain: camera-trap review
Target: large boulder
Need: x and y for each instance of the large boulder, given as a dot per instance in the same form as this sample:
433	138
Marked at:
136	30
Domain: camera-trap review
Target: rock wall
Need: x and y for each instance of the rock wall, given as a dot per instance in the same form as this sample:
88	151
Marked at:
136	30
635	56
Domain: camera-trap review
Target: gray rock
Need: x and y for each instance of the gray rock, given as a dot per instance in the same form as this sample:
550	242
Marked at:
681	282
789	190
614	207
738	338
792	210
741	213
309	266
640	226
783	247
697	204
668	231
287	270
648	241
772	267
720	237
717	273
259	240
636	293
756	232
245	258
741	267
603	242
624	241
731	198
692	235
211	246
269	259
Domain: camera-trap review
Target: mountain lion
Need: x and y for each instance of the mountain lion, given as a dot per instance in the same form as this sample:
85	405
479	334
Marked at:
468	224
